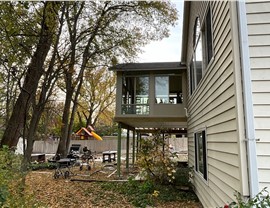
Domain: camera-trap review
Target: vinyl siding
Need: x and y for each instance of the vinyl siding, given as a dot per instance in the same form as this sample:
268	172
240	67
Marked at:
212	106
258	18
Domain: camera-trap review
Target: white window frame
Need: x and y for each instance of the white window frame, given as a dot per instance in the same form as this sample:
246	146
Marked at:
203	174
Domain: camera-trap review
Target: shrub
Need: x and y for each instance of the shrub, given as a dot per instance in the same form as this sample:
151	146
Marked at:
12	181
156	159
261	200
182	176
9	169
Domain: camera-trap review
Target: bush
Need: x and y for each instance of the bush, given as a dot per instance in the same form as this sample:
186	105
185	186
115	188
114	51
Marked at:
9	169
261	200
182	176
156	160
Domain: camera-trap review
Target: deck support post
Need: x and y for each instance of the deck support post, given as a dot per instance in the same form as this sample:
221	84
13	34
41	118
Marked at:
127	151
133	148
119	132
138	142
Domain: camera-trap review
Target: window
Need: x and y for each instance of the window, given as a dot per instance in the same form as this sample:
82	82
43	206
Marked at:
162	89
202	49
196	62
168	89
200	153
135	95
207	31
142	90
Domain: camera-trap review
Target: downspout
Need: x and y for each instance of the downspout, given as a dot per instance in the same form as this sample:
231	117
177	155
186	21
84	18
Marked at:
248	102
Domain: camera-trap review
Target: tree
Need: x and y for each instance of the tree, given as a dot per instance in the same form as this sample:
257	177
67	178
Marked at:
97	95
93	34
102	32
8	94
50	122
48	24
16	48
47	85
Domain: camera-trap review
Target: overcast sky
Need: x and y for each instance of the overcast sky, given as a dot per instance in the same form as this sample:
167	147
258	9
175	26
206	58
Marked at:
168	49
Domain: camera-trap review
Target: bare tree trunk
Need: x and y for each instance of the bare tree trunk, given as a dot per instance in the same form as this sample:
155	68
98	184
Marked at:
89	118
8	96
47	89
65	124
74	109
70	83
31	134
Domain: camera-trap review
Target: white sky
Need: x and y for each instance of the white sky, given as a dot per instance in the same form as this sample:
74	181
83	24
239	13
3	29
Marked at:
168	49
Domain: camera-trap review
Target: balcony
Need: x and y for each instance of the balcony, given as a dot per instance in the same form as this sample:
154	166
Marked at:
151	95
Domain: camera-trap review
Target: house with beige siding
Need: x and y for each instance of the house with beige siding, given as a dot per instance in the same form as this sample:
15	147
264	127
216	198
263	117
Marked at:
226	48
218	95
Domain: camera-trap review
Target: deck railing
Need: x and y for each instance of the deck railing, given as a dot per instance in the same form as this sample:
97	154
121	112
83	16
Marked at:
137	109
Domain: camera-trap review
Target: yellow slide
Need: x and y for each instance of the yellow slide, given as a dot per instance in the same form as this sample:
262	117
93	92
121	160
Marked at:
96	136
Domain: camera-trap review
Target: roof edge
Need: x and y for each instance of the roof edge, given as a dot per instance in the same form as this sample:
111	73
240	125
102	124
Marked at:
185	31
148	66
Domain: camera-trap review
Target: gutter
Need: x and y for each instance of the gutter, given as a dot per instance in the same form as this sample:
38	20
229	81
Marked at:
185	16
248	102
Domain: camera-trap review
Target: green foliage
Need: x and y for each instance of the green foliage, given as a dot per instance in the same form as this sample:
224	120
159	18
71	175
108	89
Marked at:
261	200
182	176
3	194
147	193
156	159
12	181
9	164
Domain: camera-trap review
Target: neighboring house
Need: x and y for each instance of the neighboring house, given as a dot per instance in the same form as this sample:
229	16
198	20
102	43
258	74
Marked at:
226	48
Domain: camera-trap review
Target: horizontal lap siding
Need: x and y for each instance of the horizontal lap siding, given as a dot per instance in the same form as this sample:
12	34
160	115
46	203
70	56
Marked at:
212	107
258	18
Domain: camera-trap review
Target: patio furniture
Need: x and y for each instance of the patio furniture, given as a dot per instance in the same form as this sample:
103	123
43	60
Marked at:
109	156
